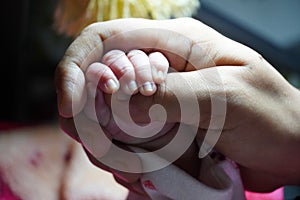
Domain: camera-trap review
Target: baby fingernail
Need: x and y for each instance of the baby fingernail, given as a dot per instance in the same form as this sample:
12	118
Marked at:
148	87
112	85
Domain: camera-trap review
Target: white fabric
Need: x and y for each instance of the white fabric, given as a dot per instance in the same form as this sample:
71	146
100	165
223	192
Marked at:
172	183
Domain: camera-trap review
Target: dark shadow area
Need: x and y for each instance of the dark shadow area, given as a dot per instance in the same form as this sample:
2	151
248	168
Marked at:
32	50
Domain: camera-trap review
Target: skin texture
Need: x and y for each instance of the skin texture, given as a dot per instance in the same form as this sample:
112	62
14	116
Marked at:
134	71
261	132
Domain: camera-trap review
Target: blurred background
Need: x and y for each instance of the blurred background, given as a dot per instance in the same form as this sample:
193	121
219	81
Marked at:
271	27
32	48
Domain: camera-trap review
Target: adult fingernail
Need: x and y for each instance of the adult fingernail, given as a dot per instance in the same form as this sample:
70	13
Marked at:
111	85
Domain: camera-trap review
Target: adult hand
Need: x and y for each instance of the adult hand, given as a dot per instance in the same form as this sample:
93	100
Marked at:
261	131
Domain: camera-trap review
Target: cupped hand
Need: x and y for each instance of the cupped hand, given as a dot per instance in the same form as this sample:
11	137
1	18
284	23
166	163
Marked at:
259	128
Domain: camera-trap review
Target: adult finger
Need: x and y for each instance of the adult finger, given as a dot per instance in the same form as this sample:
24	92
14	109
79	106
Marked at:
188	160
70	89
124	177
68	126
130	181
92	136
69	76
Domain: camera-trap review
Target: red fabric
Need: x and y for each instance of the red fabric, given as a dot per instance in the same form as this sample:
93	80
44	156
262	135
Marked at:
275	195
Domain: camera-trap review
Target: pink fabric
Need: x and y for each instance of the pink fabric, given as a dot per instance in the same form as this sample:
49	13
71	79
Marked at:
5	191
275	195
7	194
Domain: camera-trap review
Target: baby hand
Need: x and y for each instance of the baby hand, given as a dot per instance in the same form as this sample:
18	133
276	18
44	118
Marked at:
132	72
